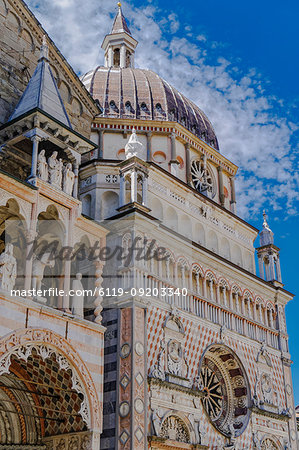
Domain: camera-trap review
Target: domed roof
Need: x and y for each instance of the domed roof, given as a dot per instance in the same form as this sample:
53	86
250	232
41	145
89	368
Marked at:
142	94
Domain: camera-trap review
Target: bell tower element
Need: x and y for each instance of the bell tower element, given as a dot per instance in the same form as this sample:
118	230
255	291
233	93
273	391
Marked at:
119	45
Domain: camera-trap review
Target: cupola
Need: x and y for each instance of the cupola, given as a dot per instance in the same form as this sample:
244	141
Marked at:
119	46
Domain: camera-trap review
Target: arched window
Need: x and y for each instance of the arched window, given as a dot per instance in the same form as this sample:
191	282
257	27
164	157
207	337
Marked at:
113	106
159	108
128	107
116	58
143	107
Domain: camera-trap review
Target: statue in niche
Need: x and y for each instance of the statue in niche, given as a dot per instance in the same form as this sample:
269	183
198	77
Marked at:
68	179
8	268
38	267
59	173
52	164
266	388
133	147
175	357
42	166
78	298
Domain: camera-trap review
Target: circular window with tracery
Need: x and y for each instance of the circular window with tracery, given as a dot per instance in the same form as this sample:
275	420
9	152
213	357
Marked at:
202	178
224	385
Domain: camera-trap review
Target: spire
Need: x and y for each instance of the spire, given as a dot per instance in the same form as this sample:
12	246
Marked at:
119	45
42	92
120	23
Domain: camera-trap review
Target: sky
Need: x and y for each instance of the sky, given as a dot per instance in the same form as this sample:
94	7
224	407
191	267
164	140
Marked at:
239	62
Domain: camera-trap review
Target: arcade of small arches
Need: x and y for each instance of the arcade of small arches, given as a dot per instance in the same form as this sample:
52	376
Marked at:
203	282
32	246
172	218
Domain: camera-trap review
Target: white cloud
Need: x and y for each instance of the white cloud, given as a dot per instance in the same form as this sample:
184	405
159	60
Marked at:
251	129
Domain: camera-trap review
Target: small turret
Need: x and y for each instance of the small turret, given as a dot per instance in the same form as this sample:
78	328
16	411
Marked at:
268	254
119	45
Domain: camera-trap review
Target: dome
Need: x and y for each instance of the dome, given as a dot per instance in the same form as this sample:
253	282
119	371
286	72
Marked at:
131	93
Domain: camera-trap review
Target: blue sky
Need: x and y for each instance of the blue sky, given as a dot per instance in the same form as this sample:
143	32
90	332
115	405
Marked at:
239	62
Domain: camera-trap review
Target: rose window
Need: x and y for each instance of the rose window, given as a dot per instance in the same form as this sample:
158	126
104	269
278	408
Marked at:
202	178
224	385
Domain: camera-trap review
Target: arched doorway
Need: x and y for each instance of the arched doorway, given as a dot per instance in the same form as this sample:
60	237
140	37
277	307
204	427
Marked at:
43	399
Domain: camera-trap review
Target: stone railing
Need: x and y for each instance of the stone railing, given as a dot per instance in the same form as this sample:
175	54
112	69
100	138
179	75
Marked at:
201	307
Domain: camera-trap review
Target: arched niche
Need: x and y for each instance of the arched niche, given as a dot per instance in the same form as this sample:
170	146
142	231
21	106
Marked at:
157	208
28	40
225	248
13	230
3	8
65	92
185	226
171	218
48	258
109	204
77	108
236	255
13	21
83	263
199	235
212	241
86	205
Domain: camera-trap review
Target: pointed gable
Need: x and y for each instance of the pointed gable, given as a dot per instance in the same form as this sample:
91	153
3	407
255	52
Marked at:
42	93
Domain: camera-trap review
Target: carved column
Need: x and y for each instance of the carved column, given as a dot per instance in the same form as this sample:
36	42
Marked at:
233	195
99	298
205	288
133	186
221	188
122	61
101	144
76	172
278	270
173	160
211	289
30	236
188	164
110	57
144	190
35	140
67	263
261	267
149	146
122	190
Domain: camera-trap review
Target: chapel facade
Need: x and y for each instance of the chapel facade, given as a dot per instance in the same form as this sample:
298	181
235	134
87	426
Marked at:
181	343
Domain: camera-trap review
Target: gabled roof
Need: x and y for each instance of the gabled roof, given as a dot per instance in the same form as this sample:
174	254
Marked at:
42	93
120	24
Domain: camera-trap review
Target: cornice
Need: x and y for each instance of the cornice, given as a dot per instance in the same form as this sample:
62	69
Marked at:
165	127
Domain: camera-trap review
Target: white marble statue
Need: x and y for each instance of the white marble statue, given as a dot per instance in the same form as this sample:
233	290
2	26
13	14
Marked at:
42	166
8	268
78	298
133	147
52	164
38	267
68	179
59	173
